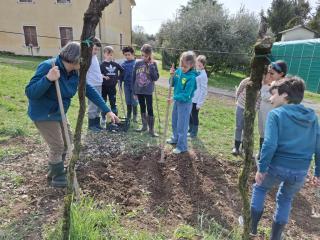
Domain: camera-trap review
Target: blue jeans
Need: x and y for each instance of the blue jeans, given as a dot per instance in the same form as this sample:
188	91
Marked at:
239	123
289	181
180	123
128	92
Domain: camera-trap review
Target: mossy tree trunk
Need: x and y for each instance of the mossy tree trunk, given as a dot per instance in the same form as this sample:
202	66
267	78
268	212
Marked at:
91	20
261	49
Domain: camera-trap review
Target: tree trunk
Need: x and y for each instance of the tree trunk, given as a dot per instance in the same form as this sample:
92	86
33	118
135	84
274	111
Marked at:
91	20
258	64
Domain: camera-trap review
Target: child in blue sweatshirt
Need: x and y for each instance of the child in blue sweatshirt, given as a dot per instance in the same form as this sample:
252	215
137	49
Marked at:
292	137
184	83
127	79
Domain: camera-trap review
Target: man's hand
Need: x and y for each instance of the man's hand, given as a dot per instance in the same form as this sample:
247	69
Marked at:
316	181
170	100
113	117
106	77
53	74
260	177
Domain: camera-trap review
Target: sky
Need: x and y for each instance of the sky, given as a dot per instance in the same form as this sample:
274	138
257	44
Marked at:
151	13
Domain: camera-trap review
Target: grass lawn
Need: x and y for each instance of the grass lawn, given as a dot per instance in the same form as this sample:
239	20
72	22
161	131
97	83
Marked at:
216	129
90	218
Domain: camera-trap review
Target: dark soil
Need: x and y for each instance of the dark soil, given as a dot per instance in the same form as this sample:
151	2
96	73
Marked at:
186	189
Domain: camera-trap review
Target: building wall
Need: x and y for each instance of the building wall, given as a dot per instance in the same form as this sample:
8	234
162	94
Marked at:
48	16
297	34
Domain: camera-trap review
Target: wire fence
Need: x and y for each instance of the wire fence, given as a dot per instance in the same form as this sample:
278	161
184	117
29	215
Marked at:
158	48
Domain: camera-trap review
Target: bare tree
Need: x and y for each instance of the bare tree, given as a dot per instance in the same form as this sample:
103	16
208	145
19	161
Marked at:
91	20
258	63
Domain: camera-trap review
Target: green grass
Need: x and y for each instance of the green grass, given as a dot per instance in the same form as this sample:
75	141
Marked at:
314	97
215	137
91	221
225	81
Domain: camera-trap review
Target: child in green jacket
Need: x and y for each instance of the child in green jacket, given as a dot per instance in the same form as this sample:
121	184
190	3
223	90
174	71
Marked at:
184	83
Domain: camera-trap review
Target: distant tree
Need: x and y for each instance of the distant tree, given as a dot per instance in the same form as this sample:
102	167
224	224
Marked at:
208	26
302	11
279	15
314	23
139	37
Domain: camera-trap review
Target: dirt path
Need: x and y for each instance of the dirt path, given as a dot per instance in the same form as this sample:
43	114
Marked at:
231	94
187	188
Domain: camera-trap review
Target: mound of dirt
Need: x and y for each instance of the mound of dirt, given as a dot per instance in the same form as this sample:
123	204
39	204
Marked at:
187	187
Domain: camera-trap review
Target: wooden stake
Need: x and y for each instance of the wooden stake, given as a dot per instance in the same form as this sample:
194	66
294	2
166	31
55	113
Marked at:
166	121
66	133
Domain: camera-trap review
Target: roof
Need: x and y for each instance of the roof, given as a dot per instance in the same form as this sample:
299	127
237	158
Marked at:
296	27
315	41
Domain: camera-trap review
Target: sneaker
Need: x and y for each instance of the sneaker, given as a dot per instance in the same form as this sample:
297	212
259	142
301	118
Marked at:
170	141
176	151
104	122
94	129
235	152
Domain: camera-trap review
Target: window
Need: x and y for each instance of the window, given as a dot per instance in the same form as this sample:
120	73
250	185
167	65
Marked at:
120	7
66	35
30	36
121	41
25	1
63	1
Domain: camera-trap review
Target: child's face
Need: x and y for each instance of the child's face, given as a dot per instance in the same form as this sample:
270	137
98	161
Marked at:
278	100
274	75
95	50
108	56
129	56
199	65
186	66
146	57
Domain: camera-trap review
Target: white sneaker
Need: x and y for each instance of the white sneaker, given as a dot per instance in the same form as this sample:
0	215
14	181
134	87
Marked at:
104	122
176	151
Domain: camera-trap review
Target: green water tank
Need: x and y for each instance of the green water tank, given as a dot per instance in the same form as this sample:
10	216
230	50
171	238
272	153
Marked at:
303	59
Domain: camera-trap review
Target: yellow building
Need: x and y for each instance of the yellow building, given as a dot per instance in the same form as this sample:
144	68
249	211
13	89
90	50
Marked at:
43	27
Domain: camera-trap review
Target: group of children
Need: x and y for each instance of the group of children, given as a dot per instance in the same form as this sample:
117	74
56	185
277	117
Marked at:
289	137
276	71
137	78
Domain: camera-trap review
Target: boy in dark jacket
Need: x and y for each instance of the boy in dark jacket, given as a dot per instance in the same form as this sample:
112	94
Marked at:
292	137
111	72
144	75
127	79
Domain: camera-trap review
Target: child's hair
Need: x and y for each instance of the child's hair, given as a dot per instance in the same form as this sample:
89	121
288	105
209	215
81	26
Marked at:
128	49
108	49
147	49
280	67
96	42
202	59
293	86
188	57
